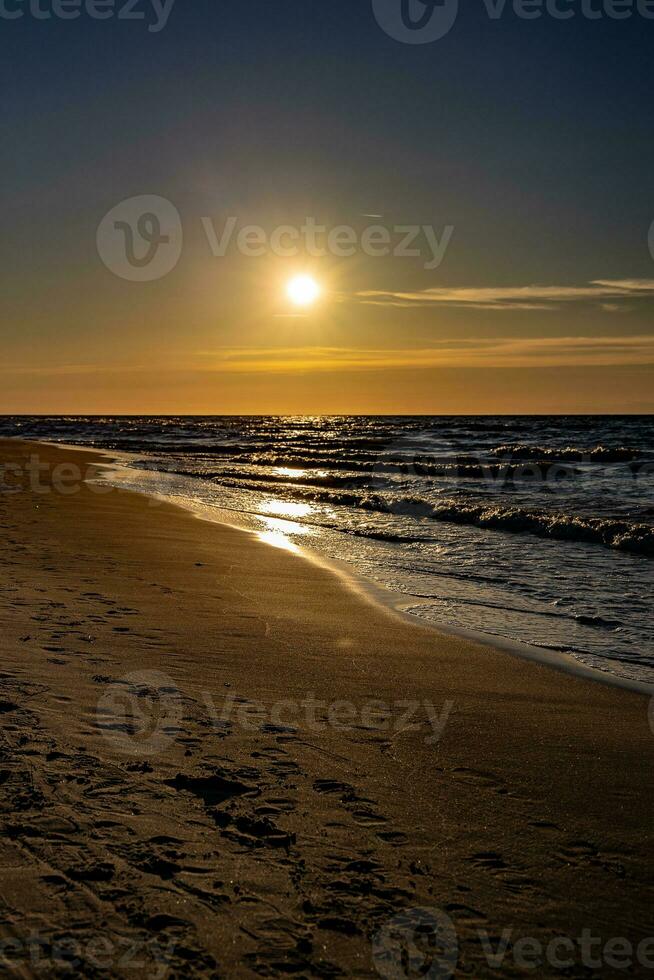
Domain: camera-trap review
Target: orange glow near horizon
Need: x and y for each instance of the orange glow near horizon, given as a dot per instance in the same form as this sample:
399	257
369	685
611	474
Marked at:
213	347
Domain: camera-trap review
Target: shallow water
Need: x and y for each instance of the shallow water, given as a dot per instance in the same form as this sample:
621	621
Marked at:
536	529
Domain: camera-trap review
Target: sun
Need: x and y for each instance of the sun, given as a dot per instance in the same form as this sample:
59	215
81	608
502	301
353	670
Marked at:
303	290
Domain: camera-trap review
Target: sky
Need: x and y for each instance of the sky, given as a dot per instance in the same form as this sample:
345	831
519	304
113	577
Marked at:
511	158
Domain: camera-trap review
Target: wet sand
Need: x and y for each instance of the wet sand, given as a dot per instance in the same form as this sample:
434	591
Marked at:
213	763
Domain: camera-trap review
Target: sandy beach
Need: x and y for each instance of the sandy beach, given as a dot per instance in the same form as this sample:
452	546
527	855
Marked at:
219	760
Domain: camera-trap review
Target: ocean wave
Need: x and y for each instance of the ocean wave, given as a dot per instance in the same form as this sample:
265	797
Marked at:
463	467
251	479
612	533
596	454
263	480
353	470
599	621
390	536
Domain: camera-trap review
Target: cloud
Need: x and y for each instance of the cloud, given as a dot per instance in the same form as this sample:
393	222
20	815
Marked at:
627	285
455	352
615	307
470	352
52	370
514	297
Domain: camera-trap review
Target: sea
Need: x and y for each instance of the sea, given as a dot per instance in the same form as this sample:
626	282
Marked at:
532	529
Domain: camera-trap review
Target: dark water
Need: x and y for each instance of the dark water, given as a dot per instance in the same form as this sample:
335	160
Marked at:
540	529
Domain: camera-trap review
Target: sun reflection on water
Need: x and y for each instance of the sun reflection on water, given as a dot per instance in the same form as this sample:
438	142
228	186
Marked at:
277	529
289	471
295	473
285	508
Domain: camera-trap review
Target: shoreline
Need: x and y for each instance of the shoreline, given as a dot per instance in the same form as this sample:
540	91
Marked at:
385	598
276	811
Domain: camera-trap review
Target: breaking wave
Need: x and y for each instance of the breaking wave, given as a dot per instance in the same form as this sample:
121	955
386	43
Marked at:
622	535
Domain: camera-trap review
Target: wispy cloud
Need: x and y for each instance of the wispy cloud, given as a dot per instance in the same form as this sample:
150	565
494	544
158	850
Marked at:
56	370
601	291
470	352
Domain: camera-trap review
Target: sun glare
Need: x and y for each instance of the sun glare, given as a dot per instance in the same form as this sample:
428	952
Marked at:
303	291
